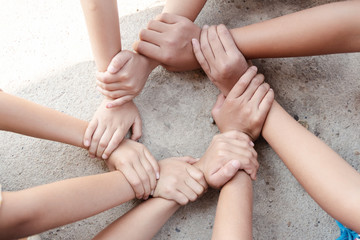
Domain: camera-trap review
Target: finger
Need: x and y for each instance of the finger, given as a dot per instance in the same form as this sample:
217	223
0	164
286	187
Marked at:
134	180
106	77
259	94
136	129
180	198
205	46
144	177
118	62
153	163
150	172
196	187
188	159
200	56
103	143
219	102
225	173
120	101
197	175
253	86
89	132
241	85
114	143
215	43
95	140
226	39
109	86
148	49
187	191
150	36
267	102
158	26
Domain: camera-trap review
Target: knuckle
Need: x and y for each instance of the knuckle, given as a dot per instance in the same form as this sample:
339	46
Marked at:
103	144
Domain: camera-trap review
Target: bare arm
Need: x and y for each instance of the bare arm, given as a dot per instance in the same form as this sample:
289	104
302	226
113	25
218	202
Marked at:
326	29
234	222
322	172
148	218
37	209
104	30
186	8
22	116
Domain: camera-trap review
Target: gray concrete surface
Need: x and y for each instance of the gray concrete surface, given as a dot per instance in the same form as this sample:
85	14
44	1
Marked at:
45	57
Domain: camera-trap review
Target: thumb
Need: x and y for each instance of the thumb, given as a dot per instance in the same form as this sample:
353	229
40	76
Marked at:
136	129
219	102
224	174
118	62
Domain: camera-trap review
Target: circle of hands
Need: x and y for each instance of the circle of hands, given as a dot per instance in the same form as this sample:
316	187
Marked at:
240	111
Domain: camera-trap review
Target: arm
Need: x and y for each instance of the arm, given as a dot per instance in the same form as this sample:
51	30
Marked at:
178	181
24	117
38	209
322	172
133	159
234	222
326	29
148	218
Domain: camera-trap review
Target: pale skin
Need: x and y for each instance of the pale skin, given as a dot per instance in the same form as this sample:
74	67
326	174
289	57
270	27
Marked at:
322	172
326	29
151	215
37	209
127	72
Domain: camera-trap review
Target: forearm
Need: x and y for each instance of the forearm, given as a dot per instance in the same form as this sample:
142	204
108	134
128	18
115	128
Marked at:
41	208
24	117
330	28
102	21
186	8
322	172
233	218
148	217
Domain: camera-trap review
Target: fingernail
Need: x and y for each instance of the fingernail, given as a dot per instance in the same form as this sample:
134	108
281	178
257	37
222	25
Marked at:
205	26
157	175
109	105
235	164
87	143
254	68
104	156
193	41
111	69
271	89
152	193
252	144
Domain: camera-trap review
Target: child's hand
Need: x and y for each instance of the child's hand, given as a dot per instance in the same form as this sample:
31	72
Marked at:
179	180
219	56
137	164
167	39
228	152
246	107
109	126
125	77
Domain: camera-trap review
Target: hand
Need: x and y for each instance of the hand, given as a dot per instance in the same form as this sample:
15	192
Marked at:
137	164
246	107
109	126
167	39
125	77
219	57
227	154
179	180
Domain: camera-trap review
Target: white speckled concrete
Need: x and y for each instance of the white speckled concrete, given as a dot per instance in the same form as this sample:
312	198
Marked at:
45	57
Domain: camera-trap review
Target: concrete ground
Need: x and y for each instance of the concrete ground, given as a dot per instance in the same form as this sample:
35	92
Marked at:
45	57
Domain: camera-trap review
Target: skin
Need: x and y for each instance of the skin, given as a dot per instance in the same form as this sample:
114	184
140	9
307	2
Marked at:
286	36
127	72
322	172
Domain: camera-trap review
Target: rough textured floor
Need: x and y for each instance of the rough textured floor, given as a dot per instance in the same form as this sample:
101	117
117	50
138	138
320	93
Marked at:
45	57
